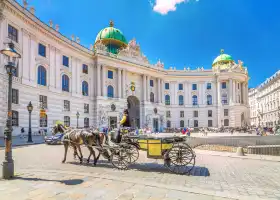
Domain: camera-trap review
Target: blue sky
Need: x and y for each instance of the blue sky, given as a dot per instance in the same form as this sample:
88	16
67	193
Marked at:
189	33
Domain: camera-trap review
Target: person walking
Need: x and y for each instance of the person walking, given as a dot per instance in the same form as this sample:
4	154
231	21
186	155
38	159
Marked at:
22	132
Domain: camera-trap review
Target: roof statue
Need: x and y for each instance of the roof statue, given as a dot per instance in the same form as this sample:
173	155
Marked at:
133	51
159	64
99	46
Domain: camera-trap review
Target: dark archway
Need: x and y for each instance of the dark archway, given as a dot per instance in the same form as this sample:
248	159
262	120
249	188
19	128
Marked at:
133	105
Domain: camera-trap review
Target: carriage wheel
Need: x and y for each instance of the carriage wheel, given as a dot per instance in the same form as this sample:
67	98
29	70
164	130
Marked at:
180	159
120	158
132	152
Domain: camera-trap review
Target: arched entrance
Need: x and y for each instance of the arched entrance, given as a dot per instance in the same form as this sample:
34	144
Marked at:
133	105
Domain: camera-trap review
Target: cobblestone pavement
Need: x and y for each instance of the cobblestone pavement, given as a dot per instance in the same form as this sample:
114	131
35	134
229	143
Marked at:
41	175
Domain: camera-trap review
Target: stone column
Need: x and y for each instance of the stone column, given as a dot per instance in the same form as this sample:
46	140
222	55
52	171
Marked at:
144	87
218	93
246	93
57	69
175	96
158	90
104	78
162	92
119	83
230	91
74	75
200	95
243	93
33	53
186	96
98	79
215	94
234	92
123	83
25	55
148	88
78	75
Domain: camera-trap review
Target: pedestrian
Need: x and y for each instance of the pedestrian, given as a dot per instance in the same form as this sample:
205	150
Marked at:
22	132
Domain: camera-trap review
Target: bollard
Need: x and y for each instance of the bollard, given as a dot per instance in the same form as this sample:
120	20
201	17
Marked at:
239	151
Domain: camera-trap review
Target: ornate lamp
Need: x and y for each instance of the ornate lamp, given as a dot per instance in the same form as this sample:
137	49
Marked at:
30	109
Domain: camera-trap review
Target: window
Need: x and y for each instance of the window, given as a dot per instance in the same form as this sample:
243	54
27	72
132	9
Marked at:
14	96
209	113
44	121
167	86
182	123
194	86
209	100
210	123
225	112
194	100
181	100
168	124
167	100
86	108
42	50
208	87
66	105
85	69
66	121
12	33
86	122
152	97
168	114
224	85
85	88
65	61
42	76
226	122
43	101
195	123
181	86
110	74
224	99
14	118
110	91
152	83
181	114
65	83
195	113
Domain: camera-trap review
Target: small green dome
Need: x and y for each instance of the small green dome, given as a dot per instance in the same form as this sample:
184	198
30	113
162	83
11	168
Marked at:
223	58
112	37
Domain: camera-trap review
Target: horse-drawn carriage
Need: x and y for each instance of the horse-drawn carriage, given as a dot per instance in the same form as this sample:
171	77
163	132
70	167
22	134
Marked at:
123	150
177	155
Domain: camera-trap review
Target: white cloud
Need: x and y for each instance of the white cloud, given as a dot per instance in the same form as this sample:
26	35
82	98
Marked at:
165	6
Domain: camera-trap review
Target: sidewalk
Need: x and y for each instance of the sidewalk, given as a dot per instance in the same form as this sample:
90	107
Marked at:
233	155
17	141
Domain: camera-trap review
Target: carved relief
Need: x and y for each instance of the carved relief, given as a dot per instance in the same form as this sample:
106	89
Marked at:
133	51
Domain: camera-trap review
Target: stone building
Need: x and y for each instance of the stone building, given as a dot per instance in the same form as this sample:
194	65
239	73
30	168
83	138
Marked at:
62	77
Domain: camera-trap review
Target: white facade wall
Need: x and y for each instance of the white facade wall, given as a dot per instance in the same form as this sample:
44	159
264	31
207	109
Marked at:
265	102
125	73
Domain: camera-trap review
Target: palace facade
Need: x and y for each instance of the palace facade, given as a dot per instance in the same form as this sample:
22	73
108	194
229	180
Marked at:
61	77
264	102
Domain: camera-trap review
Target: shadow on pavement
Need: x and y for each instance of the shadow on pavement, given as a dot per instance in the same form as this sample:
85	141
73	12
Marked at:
66	182
146	167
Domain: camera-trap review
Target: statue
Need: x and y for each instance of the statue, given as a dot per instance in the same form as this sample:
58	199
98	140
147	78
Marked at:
100	46
160	64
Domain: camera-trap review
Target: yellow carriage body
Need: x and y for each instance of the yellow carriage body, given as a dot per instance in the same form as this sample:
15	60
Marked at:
154	147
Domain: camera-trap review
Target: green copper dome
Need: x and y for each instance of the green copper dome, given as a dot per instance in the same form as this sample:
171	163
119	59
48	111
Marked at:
112	37
223	58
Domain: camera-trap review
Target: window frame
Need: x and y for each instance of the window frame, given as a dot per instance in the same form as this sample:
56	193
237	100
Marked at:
67	121
151	83
110	93
65	82
42	75
209	102
66	105
180	88
167	101
195	123
195	113
210	113
210	120
85	69
85	88
40	52
168	113
15	120
207	86
86	122
43	121
194	100
86	108
226	124
182	123
226	112
110	72
64	59
43	101
182	114
168	124
15	96
181	101
224	85
14	34
152	97
194	86
166	86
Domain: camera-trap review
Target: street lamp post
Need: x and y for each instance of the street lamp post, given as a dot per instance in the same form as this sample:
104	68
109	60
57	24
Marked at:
11	57
77	115
30	109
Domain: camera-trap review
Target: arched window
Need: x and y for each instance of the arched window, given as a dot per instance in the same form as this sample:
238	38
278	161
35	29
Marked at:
209	100
85	88
110	91
224	99
168	124
167	100
86	122
182	124
181	100
194	100
42	76
152	97
65	83
226	122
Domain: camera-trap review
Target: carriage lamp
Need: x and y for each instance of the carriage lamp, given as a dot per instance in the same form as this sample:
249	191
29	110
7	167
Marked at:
11	57
78	115
30	109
